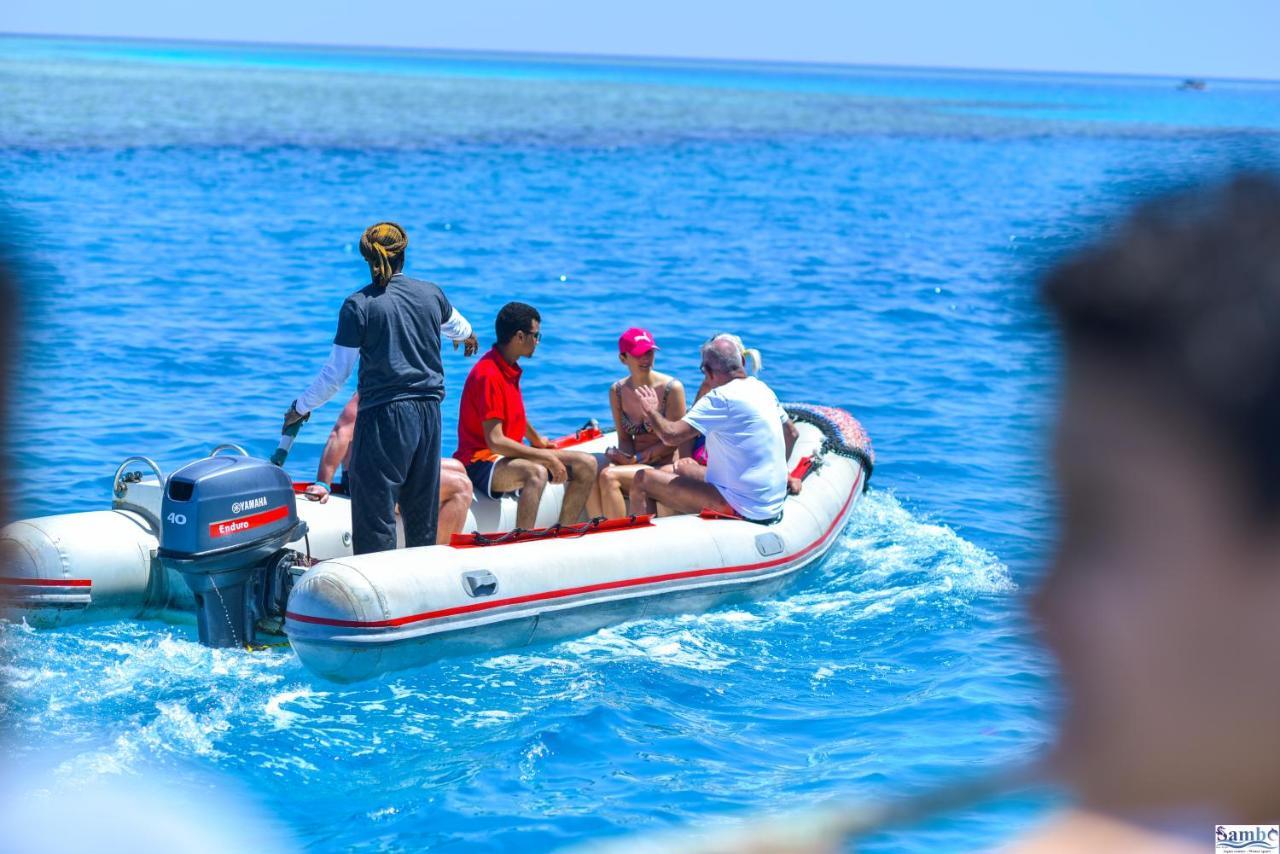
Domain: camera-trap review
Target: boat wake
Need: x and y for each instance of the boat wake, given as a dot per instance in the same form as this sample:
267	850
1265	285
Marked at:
886	560
118	699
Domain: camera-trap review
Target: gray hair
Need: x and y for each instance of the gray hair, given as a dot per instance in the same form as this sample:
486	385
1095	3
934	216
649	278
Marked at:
752	361
722	355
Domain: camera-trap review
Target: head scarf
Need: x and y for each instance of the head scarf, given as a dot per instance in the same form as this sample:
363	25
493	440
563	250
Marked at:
382	245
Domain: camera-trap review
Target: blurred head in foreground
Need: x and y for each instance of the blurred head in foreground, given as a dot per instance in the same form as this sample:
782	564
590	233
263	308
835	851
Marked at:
1163	600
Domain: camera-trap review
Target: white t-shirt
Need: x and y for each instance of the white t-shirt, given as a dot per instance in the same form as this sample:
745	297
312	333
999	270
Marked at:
746	454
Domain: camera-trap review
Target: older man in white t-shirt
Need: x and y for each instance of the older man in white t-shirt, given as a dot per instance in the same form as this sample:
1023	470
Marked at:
746	452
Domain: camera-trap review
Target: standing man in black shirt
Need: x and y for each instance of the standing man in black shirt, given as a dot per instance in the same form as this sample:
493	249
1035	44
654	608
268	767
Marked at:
393	325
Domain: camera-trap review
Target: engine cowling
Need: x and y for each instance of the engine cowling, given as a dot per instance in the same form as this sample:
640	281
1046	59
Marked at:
223	521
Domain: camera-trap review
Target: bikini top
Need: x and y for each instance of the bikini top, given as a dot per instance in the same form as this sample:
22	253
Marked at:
635	428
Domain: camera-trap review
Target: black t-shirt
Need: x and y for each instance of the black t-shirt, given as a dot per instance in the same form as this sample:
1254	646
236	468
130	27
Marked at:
397	329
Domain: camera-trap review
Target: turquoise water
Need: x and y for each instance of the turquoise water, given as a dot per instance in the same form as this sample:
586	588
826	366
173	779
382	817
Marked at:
187	218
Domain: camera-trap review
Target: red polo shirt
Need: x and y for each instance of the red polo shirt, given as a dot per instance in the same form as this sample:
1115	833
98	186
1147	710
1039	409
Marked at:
492	391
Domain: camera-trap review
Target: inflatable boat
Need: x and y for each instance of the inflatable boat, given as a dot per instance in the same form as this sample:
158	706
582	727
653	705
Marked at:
228	537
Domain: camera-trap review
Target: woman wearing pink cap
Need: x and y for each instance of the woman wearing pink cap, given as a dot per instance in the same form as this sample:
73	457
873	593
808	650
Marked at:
638	447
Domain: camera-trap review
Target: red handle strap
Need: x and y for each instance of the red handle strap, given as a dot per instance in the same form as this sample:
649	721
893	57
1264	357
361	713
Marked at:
476	539
709	513
803	467
577	438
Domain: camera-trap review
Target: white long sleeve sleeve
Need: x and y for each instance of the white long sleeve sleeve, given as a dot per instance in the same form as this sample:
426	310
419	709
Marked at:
330	379
457	327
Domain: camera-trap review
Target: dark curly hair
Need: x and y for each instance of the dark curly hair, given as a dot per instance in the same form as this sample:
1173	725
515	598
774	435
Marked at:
1186	293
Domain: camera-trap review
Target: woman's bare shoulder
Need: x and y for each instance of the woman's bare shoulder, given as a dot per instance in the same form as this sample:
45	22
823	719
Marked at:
661	381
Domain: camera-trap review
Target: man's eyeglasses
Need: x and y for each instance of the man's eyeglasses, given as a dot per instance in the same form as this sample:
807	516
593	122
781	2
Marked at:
536	336
705	369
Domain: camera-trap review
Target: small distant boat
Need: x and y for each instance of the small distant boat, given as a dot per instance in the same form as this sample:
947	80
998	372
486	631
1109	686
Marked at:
225	536
1192	84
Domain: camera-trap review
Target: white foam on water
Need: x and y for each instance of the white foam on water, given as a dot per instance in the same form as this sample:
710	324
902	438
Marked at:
888	559
282	718
281	763
664	641
487	718
885	540
531	759
885	561
86	768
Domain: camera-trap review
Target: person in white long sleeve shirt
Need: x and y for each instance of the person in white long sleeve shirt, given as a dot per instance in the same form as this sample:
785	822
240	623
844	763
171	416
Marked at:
393	325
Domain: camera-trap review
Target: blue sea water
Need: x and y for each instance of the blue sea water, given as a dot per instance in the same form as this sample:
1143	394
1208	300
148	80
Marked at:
186	216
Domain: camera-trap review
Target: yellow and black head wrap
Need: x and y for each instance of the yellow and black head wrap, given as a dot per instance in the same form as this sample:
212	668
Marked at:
382	245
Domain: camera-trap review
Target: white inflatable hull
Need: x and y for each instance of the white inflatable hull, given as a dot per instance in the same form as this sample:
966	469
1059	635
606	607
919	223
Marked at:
353	618
55	567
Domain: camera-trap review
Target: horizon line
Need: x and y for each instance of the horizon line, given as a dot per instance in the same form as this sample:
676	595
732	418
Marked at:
637	58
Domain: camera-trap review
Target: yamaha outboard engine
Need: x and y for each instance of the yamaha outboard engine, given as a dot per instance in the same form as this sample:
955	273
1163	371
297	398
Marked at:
225	521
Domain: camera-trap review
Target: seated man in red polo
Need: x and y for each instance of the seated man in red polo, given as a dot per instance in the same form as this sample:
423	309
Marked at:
492	428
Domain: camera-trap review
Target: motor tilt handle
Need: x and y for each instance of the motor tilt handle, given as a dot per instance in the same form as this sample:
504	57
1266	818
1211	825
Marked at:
287	435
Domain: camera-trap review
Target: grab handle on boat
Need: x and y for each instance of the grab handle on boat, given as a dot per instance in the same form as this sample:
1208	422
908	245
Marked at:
769	544
119	483
229	446
479	582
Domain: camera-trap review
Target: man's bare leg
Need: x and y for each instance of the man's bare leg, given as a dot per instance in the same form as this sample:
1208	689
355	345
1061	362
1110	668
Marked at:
582	477
685	467
679	493
594	505
528	477
455	498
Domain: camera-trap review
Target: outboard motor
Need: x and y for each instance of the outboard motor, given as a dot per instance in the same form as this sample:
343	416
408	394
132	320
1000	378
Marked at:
225	522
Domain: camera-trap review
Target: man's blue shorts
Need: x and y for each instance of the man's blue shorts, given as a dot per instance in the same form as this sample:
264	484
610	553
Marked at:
481	474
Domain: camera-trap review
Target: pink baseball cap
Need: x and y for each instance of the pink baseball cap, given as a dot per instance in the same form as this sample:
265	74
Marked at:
636	342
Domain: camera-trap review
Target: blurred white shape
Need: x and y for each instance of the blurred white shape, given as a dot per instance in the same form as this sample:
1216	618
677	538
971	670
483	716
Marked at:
41	810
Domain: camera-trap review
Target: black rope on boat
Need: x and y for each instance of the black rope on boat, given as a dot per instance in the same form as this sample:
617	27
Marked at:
590	525
481	540
834	441
572	531
552	532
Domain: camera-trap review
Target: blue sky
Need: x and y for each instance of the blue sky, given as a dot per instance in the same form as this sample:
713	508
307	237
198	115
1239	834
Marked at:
1226	38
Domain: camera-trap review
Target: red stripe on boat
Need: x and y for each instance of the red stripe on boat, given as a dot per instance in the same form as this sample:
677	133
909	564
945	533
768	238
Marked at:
574	591
47	582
